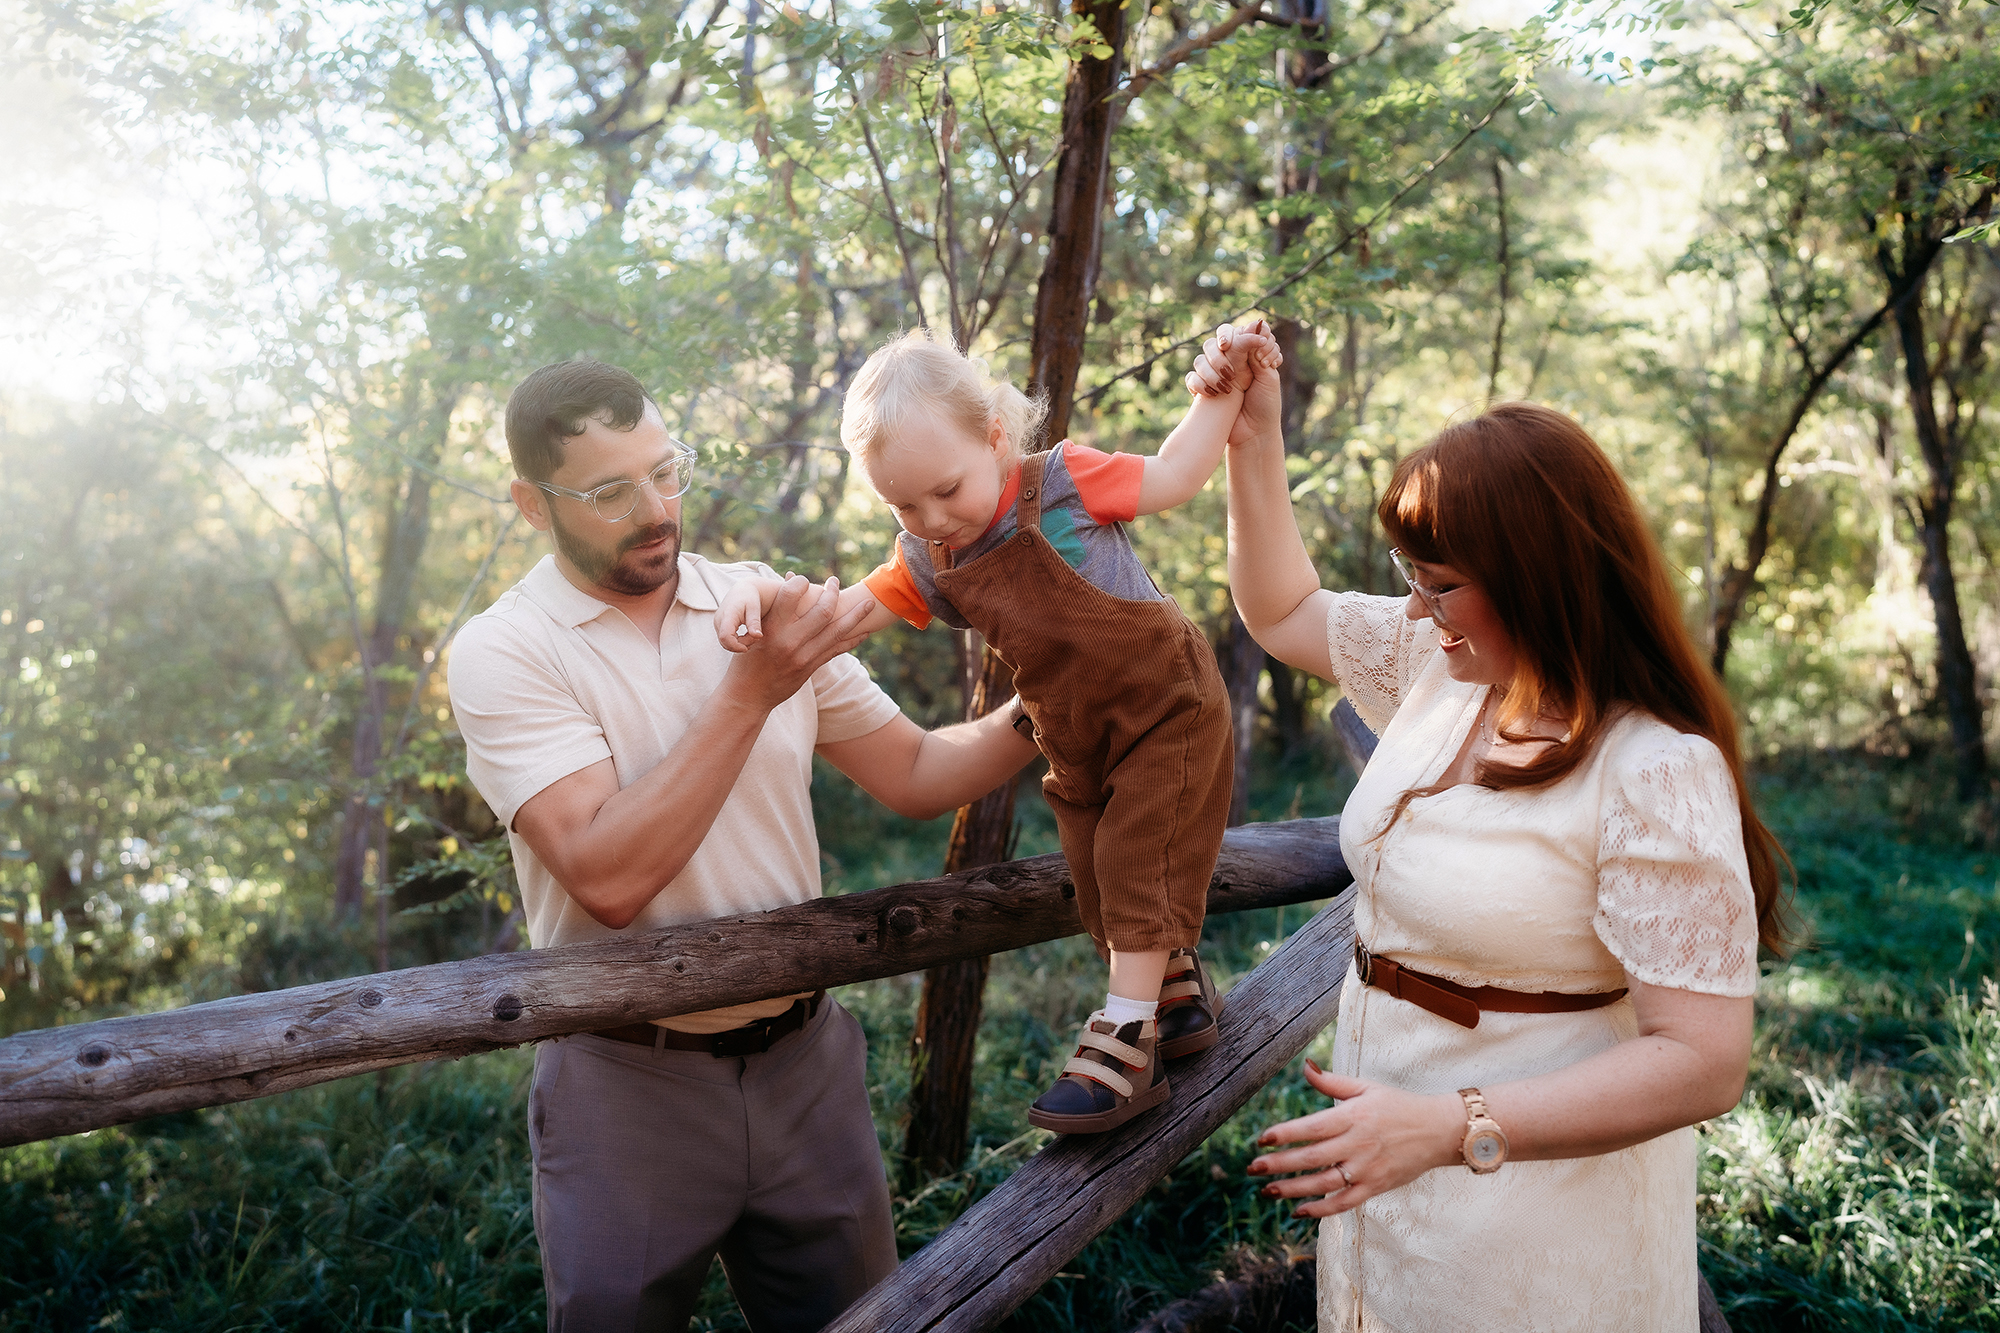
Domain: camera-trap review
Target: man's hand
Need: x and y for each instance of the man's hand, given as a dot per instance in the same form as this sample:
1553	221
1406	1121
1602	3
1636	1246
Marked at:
803	631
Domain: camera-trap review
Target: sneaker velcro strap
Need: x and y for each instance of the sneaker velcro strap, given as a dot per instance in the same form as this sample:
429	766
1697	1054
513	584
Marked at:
1131	1056
1104	1074
1180	990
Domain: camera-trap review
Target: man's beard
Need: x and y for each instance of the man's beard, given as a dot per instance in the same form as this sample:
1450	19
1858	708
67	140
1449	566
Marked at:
617	570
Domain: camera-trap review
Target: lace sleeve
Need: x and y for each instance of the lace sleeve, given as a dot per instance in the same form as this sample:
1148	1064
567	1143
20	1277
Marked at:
1674	903
1376	652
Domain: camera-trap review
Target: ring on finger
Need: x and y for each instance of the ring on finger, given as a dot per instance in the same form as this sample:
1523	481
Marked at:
1346	1181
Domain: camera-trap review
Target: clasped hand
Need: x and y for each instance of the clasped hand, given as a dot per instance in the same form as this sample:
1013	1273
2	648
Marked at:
781	645
1247	358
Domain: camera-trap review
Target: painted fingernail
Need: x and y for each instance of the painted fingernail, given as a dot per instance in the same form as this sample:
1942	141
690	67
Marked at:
1300	1213
1315	1068
1257	1169
1269	1191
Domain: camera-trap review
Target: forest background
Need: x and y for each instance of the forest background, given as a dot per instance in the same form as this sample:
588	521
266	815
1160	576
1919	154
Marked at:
270	270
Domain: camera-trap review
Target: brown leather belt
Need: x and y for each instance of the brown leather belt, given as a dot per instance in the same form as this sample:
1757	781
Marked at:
750	1039
1461	1004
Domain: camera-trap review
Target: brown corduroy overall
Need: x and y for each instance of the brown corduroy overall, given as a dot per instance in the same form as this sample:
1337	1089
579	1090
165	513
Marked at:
1132	715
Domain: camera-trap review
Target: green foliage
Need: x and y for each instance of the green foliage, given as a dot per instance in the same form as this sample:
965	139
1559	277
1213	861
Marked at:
254	545
1853	1189
371	1203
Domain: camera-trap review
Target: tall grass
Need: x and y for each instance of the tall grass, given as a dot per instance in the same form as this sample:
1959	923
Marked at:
1854	1187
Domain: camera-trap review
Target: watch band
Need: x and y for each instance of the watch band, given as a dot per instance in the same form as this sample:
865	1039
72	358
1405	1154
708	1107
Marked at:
1485	1145
1022	722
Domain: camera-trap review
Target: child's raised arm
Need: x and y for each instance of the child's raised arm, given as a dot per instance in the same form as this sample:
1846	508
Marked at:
739	615
1188	457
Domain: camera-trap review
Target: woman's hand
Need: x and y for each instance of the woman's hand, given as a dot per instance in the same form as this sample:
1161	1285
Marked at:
1376	1139
1222	368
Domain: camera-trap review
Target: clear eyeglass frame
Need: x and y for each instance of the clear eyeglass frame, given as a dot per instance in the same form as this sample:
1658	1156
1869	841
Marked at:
614	501
1432	599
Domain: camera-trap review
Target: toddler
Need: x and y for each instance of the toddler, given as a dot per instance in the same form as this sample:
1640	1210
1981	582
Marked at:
1121	688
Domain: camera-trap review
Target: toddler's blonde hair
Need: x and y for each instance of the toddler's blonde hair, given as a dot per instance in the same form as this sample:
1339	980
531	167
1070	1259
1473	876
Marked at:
922	371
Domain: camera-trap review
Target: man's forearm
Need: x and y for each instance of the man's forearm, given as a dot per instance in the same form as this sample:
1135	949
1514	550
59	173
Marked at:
643	836
921	775
957	765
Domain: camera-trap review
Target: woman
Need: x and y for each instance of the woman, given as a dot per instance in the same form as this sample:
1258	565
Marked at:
1561	886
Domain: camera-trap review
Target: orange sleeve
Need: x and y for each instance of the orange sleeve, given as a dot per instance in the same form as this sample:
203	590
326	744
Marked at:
1108	484
892	586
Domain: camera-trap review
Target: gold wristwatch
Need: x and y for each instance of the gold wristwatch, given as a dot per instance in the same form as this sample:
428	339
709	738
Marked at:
1485	1146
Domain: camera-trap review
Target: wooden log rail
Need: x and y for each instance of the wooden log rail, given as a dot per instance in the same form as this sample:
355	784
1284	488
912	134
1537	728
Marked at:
1016	1238
69	1079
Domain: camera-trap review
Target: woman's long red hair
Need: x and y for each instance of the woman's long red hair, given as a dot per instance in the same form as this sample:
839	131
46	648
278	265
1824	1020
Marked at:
1523	502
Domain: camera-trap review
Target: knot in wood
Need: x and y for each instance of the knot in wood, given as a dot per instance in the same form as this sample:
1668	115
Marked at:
1068	889
904	920
370	998
93	1055
680	965
508	1008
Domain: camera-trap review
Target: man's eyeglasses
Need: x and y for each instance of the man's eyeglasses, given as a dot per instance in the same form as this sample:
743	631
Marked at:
1432	598
615	500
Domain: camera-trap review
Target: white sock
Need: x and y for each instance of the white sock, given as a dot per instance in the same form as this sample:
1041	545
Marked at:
1122	1011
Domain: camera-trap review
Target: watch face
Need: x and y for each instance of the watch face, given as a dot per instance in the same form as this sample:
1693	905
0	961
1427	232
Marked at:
1485	1150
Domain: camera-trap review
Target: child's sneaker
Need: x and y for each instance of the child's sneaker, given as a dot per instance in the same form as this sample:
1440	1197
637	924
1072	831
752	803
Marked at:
1115	1074
1190	1010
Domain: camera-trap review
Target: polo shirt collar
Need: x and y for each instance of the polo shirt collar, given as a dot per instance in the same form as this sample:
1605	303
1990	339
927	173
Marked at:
569	606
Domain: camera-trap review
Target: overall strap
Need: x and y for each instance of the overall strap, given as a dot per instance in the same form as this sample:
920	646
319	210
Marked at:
940	556
1028	513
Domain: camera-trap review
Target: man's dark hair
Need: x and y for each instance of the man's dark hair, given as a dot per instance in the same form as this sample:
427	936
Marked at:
559	401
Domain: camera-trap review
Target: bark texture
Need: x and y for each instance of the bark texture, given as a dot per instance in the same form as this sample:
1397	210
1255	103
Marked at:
1941	442
1076	215
70	1079
1016	1238
947	1032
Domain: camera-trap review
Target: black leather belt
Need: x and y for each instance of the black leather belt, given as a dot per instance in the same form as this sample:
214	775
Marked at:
750	1039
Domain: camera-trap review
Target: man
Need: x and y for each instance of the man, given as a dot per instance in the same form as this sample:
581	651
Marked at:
647	778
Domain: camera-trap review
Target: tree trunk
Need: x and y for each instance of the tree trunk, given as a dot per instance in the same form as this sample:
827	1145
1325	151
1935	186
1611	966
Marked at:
943	1046
947	1031
1738	582
1303	66
1957	678
1242	661
1288	706
1076	216
407	530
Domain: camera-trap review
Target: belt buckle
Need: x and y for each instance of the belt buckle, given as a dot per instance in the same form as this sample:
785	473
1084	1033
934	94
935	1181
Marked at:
1364	963
743	1041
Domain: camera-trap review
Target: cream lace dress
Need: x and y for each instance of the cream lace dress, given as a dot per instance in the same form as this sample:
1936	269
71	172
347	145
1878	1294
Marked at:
1631	866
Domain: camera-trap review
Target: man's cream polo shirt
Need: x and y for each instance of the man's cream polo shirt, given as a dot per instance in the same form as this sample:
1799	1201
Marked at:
549	680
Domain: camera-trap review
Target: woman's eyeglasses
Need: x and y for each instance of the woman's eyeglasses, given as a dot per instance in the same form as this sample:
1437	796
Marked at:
1432	598
614	501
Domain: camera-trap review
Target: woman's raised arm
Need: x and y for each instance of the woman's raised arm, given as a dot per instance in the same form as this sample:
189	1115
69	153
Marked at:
1271	577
